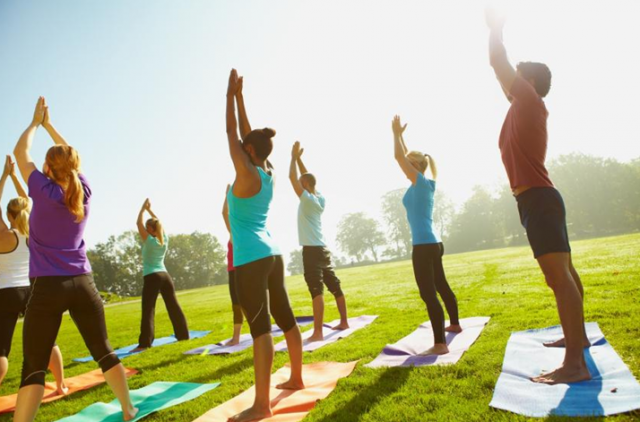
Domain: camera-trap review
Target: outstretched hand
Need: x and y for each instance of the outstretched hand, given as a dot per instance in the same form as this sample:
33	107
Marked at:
239	85
396	126
296	151
9	167
46	119
494	19
232	88
39	112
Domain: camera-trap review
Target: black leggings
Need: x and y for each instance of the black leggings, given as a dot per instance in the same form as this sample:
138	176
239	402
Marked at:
318	270
261	289
154	284
429	273
13	302
50	298
235	304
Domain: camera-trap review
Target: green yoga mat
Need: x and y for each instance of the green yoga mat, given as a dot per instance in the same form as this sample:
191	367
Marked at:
149	399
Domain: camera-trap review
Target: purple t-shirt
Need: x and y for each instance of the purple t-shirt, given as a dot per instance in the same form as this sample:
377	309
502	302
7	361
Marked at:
55	239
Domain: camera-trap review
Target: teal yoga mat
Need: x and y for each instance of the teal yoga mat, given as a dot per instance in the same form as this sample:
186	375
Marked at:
152	398
612	389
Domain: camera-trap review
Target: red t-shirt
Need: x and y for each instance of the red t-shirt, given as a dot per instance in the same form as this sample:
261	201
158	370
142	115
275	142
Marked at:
523	139
230	266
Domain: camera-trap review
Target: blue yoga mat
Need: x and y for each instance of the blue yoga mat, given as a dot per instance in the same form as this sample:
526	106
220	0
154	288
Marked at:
126	351
152	398
612	389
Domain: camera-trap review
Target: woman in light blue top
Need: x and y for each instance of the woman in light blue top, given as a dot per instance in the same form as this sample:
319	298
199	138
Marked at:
258	264
427	246
156	280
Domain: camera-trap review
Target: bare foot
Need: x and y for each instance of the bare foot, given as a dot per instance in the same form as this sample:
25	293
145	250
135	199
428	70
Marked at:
233	342
561	343
315	337
62	390
342	326
453	328
251	414
129	414
291	385
564	375
139	349
437	349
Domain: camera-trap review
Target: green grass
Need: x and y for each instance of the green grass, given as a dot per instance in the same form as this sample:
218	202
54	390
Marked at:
503	284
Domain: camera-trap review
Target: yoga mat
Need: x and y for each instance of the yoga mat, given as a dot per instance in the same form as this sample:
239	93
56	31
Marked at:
330	336
287	405
75	384
245	341
612	389
124	352
406	351
152	398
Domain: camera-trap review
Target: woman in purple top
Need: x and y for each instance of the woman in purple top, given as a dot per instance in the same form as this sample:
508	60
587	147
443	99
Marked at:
60	270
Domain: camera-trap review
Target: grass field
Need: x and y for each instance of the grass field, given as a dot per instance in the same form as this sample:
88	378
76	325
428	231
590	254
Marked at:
503	284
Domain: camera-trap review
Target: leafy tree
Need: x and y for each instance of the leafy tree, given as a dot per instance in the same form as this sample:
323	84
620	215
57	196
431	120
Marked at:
395	217
295	265
359	235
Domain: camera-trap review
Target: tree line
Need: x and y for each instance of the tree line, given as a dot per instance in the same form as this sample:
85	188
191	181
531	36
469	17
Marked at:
602	197
193	260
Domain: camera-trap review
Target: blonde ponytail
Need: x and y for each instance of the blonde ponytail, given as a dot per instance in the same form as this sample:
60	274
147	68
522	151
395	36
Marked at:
156	225
64	163
19	209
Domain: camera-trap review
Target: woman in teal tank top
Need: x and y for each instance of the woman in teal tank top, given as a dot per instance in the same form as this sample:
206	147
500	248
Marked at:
259	269
427	247
156	280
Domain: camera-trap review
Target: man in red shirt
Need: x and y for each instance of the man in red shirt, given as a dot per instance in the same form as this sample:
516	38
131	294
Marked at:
523	146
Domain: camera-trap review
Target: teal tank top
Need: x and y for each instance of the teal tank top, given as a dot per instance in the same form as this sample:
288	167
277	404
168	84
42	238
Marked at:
248	219
153	255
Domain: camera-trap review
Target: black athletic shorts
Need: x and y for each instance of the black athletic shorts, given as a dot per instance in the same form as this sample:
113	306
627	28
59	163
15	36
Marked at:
13	303
543	215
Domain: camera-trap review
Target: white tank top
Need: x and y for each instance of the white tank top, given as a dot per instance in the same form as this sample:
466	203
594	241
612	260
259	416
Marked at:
14	265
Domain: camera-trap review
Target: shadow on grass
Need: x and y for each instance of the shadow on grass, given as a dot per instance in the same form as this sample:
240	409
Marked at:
223	371
389	382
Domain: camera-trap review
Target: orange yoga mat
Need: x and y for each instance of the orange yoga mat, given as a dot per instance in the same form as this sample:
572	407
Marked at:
75	384
287	406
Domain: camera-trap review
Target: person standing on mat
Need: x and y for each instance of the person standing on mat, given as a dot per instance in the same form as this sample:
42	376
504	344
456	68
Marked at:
259	268
316	258
427	246
60	270
14	274
157	280
523	146
235	304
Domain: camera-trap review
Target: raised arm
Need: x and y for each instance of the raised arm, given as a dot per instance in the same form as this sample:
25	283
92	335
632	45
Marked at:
296	153
225	210
245	127
433	167
400	150
21	151
14	178
241	160
505	73
144	234
46	123
301	166
3	180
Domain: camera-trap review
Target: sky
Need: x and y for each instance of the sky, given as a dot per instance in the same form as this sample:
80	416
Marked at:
139	89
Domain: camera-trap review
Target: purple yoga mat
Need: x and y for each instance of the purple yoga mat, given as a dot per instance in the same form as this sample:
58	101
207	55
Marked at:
406	351
245	341
330	336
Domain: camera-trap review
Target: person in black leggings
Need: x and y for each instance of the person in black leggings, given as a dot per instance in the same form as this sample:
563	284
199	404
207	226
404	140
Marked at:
156	281
427	247
231	271
61	271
